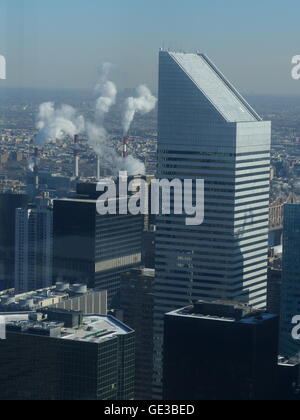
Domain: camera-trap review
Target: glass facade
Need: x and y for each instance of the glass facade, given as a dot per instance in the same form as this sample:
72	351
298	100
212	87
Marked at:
94	249
35	366
208	131
209	358
290	295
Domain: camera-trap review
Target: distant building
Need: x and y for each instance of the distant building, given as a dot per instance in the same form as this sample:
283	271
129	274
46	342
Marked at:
92	248
8	205
67	357
220	351
290	295
34	247
62	296
136	303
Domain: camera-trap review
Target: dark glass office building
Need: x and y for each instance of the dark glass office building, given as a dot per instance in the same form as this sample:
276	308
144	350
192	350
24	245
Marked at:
47	361
290	289
94	249
220	351
136	303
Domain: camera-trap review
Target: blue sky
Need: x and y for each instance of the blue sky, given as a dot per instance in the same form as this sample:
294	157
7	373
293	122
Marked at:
60	43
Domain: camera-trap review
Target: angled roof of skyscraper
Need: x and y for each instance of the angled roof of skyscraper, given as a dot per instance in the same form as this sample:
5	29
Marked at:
217	89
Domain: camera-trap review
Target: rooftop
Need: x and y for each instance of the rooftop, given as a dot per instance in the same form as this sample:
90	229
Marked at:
216	88
54	294
223	310
95	328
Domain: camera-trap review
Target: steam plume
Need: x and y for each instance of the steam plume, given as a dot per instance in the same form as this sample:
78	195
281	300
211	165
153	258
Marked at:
97	135
31	164
132	165
99	141
144	103
57	123
108	94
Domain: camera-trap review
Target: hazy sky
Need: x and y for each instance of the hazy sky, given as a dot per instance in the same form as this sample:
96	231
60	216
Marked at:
60	43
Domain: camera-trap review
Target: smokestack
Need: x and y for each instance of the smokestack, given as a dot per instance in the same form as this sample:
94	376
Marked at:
98	168
76	156
36	168
125	144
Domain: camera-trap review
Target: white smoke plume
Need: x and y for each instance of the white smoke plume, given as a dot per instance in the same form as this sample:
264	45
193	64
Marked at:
132	165
144	103
31	164
97	134
106	100
99	141
57	123
108	94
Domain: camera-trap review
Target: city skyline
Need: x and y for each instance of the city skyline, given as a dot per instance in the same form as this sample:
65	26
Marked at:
62	44
149	205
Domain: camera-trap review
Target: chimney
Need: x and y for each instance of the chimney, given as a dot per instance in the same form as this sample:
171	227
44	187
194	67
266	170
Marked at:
125	144
76	156
36	168
98	168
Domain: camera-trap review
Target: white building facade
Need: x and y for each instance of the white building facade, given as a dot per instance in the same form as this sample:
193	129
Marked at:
208	131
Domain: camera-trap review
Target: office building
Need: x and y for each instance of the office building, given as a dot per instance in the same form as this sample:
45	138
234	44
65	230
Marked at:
290	289
8	205
136	304
65	356
289	379
208	131
91	248
34	247
74	297
220	351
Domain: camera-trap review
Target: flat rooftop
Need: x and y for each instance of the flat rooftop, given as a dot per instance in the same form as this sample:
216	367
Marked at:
226	311
95	328
13	299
